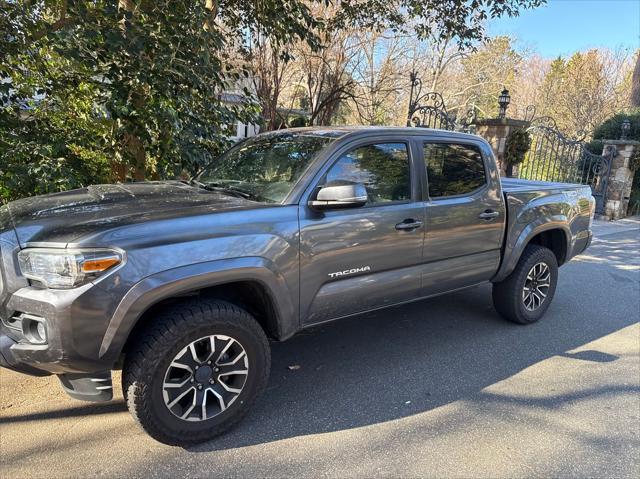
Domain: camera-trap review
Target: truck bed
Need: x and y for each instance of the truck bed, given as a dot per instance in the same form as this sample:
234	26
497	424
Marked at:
516	185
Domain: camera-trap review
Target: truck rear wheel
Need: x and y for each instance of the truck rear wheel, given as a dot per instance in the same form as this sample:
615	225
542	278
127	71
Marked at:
195	371
525	295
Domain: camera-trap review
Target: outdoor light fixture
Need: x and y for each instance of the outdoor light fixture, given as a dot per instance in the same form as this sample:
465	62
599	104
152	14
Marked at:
503	100
626	128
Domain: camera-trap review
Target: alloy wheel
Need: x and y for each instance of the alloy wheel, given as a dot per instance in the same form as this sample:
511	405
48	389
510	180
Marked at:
536	286
205	378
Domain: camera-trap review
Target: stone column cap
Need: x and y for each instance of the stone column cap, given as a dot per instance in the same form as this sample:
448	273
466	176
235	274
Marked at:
620	142
502	122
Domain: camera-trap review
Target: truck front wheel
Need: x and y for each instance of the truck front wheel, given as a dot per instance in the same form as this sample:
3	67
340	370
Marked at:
525	295
195	371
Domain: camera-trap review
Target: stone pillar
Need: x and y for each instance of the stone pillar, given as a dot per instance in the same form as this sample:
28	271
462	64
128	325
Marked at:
620	178
495	131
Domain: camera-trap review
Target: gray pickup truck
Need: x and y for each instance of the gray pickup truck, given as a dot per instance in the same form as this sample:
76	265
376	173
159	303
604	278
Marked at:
181	283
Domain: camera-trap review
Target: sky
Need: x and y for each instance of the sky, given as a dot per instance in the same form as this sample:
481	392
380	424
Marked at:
562	27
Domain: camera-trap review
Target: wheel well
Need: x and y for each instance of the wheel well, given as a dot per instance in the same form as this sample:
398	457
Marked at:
555	240
249	295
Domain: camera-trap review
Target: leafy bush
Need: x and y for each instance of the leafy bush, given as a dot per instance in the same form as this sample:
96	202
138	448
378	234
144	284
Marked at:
611	129
595	146
516	146
298	121
109	90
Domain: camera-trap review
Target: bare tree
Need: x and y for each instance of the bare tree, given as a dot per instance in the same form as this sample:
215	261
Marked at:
271	74
376	71
325	74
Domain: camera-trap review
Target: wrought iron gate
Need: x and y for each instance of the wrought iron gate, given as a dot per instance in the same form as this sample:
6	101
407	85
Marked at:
553	157
431	113
428	110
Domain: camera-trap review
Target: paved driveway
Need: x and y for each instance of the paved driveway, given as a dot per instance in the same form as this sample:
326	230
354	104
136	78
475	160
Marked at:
440	388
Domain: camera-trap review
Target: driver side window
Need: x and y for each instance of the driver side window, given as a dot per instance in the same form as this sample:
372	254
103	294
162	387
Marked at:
383	168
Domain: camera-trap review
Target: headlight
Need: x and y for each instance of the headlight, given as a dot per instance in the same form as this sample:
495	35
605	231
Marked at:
65	268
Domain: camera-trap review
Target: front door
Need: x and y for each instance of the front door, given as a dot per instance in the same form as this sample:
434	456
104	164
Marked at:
465	217
362	258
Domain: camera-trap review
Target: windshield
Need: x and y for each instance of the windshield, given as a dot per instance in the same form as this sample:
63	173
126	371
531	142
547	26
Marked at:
265	167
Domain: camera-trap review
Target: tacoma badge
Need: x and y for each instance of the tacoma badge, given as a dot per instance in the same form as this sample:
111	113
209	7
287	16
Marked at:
362	269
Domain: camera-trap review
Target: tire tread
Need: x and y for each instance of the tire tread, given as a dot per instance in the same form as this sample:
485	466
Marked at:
151	346
506	294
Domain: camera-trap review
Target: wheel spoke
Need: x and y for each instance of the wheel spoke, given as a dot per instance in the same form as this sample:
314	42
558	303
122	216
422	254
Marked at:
203	405
240	355
220	399
537	300
194	353
180	396
527	301
212	347
176	364
192	406
172	385
230	389
225	349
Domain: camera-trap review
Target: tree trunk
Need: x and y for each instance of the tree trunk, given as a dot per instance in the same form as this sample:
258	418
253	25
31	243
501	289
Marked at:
132	148
509	170
635	84
135	154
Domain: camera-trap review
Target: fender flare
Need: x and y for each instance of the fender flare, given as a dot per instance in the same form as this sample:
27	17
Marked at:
183	279
512	252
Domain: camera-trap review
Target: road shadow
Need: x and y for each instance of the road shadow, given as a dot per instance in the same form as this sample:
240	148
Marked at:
87	409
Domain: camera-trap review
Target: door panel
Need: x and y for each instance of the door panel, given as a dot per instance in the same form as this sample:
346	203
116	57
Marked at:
464	233
358	259
364	239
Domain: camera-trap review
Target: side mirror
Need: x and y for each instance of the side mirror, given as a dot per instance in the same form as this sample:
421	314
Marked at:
340	195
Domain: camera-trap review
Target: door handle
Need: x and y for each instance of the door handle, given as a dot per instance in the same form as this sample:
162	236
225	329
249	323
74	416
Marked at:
488	215
409	224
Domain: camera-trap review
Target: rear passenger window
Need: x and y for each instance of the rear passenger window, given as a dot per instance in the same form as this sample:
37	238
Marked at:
383	168
453	169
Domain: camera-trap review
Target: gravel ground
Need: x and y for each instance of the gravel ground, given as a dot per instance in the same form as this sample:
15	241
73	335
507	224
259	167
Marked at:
440	388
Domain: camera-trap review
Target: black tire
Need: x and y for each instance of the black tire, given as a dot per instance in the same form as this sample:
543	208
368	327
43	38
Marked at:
149	357
508	294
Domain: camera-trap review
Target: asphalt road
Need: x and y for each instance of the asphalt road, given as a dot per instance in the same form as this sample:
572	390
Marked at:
440	388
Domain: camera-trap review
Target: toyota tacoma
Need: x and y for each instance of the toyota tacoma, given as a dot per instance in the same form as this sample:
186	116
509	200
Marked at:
182	284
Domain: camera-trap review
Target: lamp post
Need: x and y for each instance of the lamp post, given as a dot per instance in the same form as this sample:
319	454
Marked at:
626	128
503	100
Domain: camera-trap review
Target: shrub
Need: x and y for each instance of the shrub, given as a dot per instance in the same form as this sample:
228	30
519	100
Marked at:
611	129
298	122
516	146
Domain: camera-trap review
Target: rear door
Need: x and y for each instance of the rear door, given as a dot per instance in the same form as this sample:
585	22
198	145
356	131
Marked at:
465	215
362	258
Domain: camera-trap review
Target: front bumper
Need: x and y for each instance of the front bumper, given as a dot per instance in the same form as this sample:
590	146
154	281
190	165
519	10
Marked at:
75	322
95	387
8	361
